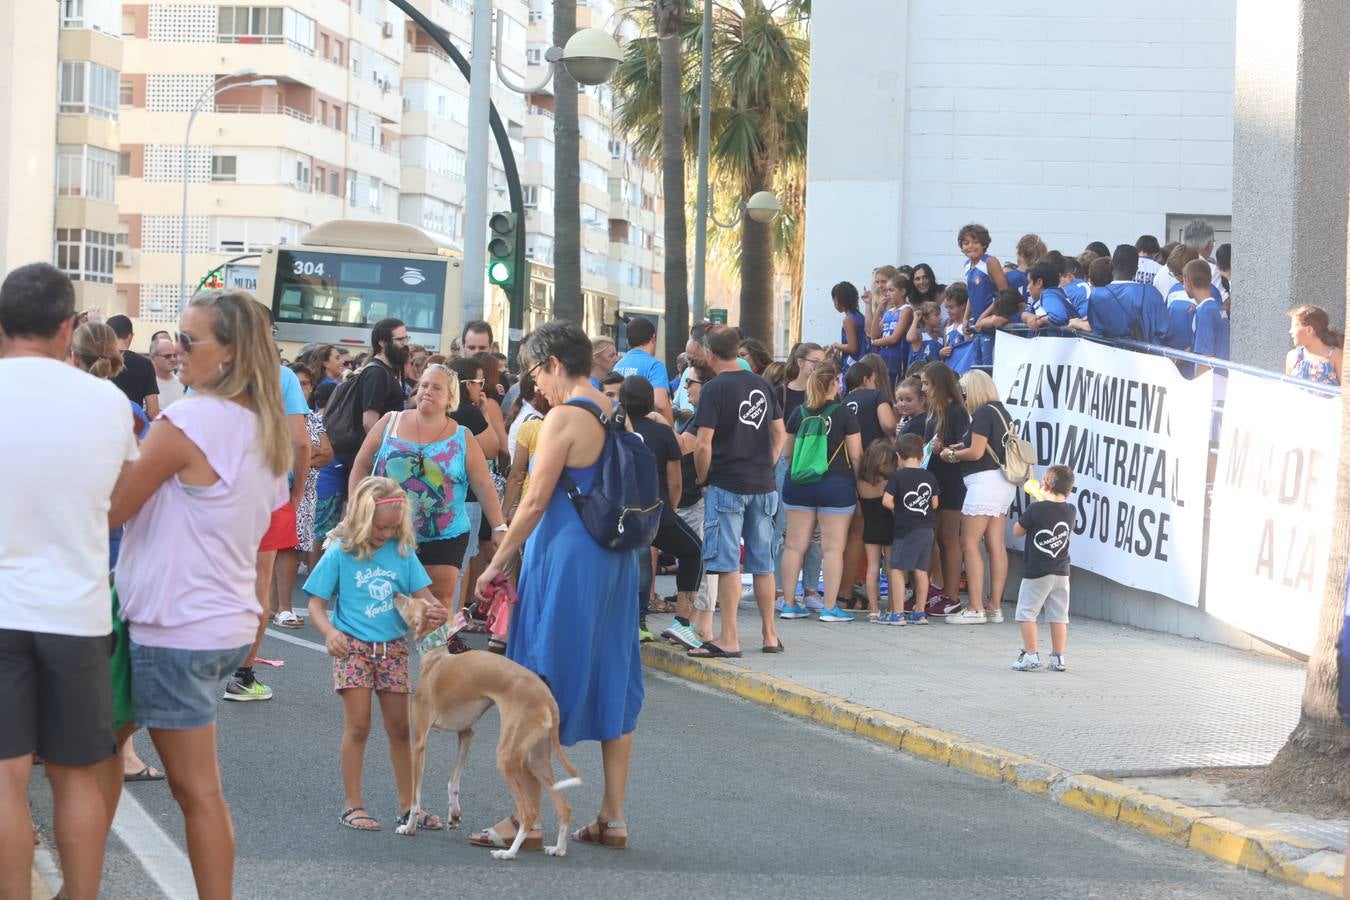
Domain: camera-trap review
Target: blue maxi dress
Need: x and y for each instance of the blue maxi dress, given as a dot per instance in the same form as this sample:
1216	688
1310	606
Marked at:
576	624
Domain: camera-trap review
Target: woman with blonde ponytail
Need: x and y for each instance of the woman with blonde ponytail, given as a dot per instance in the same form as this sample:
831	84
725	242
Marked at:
196	505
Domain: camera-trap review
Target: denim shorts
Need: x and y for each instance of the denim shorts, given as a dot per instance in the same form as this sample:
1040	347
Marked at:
832	495
731	518
179	689
475	512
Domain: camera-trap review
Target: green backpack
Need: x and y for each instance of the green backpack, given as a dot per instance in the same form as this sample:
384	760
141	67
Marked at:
811	455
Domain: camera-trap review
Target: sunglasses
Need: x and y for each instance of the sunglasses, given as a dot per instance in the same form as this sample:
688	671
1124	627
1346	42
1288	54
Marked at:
478	381
186	342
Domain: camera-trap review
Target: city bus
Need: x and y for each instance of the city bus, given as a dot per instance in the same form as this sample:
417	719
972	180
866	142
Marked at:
346	275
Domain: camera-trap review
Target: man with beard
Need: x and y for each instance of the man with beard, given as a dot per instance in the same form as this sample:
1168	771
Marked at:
380	384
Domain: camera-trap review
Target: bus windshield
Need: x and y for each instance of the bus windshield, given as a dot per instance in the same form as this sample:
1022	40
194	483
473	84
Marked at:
356	291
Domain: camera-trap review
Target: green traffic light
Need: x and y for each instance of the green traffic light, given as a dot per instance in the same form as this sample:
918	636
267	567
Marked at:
499	272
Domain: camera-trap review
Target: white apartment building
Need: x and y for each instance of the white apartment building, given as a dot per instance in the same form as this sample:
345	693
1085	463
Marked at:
367	119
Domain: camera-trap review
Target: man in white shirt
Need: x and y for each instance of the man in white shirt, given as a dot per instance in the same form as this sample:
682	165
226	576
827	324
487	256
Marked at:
1198	234
55	609
1149	264
164	356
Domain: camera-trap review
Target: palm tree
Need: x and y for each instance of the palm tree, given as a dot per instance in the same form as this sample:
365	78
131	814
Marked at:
567	303
669	18
1312	763
758	124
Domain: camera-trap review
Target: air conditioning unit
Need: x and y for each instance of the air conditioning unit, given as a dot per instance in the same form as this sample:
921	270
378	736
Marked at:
125	258
388	29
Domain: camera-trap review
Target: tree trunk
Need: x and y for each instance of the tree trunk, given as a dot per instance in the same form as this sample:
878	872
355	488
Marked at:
1315	761
567	300
669	16
757	268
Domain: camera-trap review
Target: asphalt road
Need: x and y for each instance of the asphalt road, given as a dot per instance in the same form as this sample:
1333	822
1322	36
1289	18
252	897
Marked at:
726	800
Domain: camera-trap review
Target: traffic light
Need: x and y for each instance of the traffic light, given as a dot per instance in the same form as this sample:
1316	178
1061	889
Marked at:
503	266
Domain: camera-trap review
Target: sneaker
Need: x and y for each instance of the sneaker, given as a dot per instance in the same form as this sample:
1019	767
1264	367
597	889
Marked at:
1057	663
813	603
934	592
793	611
916	618
779	603
644	636
237	690
967	617
942	606
1026	661
835	615
894	618
995	616
683	635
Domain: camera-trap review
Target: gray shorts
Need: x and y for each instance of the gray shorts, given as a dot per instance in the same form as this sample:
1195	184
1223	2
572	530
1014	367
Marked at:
1048	591
913	550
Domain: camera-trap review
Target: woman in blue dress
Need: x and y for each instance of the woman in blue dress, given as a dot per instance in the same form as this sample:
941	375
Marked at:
577	621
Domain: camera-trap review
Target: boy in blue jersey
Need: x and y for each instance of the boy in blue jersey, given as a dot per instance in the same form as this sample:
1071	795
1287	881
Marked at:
1048	304
1030	249
640	360
1125	309
1211	325
1075	282
984	273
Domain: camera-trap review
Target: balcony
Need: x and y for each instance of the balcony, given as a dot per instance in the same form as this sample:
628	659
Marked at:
264	111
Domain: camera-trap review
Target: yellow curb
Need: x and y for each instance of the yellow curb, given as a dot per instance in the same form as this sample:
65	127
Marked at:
1279	856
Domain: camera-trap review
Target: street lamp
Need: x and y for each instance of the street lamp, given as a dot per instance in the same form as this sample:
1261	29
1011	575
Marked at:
590	56
762	207
217	87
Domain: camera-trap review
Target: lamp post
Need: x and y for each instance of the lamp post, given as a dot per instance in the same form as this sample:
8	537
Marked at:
219	86
590	56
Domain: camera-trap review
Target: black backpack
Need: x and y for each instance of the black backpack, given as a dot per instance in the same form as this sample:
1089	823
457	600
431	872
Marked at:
342	416
623	509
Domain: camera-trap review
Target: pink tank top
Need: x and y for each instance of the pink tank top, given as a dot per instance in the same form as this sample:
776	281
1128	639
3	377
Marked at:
185	576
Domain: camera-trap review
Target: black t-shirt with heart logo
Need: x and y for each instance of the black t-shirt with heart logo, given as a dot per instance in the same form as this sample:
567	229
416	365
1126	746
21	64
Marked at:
740	407
1048	524
913	490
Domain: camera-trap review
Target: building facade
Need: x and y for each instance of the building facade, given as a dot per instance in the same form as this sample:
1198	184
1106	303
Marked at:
1079	125
366	119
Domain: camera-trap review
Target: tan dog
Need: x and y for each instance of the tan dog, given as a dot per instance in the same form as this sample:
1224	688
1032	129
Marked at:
453	692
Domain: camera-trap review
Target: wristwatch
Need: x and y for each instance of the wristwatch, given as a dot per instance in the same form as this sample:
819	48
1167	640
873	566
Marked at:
500	529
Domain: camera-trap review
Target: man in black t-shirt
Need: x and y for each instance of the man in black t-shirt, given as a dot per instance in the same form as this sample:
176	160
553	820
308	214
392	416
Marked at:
137	378
381	382
740	437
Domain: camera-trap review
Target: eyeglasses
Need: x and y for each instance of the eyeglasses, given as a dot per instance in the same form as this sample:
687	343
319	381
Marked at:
478	381
533	369
693	381
186	342
167	355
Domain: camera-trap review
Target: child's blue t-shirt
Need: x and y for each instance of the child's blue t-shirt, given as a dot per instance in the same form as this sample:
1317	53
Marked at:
361	591
1054	305
1018	280
1180	320
1211	329
980	288
1077	292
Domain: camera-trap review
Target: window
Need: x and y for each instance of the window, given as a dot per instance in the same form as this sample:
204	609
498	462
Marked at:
318	179
373	191
251	24
128	24
337	117
531	195
337	52
534	56
334	184
323	112
302	174
72	13
88	88
615	148
323	47
85	255
224	168
124	163
84	171
236	234
126	93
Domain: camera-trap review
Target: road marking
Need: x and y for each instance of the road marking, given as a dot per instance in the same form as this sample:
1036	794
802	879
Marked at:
299	642
161	858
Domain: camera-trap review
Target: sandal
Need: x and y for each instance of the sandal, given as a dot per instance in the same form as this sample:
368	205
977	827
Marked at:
497	646
350	819
661	606
489	837
287	619
598	833
425	821
874	617
709	650
148	773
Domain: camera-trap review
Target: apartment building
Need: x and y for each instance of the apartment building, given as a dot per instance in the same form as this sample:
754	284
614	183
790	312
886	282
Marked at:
367	119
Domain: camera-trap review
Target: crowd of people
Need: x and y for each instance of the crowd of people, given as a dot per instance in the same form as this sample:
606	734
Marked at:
869	477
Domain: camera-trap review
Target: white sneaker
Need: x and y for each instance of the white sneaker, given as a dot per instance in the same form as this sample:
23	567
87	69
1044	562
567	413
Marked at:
967	617
1026	661
1057	663
994	616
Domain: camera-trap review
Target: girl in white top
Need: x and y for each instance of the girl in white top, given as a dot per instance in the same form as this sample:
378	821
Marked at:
196	506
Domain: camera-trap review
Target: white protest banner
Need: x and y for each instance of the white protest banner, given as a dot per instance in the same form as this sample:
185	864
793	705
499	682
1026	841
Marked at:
1136	435
1271	513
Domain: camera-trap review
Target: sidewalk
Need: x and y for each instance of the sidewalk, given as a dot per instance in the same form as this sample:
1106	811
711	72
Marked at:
1135	706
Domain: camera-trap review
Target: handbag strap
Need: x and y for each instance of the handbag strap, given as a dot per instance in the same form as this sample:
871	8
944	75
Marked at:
1007	429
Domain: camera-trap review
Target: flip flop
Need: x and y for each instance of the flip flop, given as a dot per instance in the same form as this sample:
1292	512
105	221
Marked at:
144	775
777	649
277	663
709	650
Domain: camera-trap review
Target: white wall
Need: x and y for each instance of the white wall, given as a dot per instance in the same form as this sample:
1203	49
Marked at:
1077	121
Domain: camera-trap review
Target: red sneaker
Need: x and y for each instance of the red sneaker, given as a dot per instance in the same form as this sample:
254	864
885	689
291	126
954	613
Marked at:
942	606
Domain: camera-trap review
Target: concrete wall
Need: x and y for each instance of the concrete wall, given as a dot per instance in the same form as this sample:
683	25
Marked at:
28	81
1291	169
1078	124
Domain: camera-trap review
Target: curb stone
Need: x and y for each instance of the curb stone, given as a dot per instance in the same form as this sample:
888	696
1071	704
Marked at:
1272	853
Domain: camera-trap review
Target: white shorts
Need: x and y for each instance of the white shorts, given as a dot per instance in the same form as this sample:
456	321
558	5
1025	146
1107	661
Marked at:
1050	592
988	494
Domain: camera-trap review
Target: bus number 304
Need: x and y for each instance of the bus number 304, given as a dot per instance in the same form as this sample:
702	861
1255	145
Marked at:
307	268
